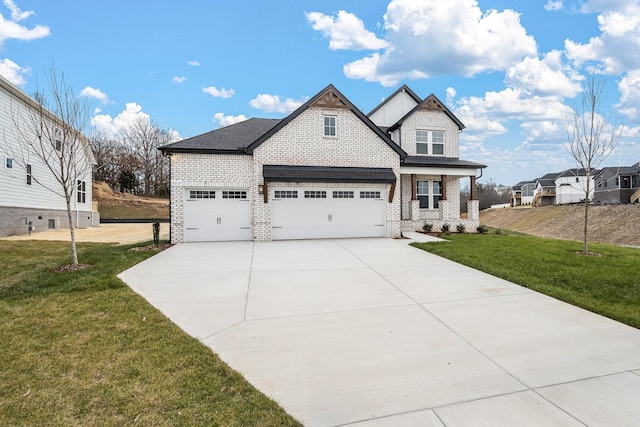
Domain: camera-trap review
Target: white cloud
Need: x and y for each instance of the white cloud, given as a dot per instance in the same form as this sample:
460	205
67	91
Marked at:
544	77
553	5
435	37
178	79
111	127
193	63
629	88
17	14
273	104
90	92
13	72
345	31
617	48
228	120
219	93
10	29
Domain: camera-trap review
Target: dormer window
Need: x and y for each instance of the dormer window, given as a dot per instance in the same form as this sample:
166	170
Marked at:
430	142
329	125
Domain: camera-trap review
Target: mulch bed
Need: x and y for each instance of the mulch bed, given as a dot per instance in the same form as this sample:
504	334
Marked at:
70	267
161	247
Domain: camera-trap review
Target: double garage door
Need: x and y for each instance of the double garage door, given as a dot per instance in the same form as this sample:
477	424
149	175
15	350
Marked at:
317	213
296	213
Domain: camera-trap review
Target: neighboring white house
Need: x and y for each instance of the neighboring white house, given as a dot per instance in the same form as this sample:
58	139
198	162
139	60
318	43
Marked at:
26	183
324	171
571	186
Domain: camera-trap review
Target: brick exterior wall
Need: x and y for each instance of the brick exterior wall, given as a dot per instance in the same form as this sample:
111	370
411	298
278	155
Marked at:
232	171
430	120
302	143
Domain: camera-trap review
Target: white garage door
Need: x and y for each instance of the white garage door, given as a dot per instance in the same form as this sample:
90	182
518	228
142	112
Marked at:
317	213
212	215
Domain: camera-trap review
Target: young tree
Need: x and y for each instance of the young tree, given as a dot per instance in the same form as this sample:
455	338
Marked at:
50	130
591	138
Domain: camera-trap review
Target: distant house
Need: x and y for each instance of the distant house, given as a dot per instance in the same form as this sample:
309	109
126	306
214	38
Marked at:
619	184
325	171
571	186
522	193
26	196
544	193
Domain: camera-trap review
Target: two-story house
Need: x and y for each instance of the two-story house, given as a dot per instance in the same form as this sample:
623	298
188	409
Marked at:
30	196
325	171
571	186
618	184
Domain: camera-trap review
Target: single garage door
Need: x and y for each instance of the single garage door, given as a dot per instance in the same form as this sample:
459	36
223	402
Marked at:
318	213
212	215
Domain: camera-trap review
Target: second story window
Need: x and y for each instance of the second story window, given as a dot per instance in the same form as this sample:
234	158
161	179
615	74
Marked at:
58	139
28	174
430	142
329	125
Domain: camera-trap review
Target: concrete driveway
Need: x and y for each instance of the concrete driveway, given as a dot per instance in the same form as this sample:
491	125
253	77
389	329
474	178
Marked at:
375	332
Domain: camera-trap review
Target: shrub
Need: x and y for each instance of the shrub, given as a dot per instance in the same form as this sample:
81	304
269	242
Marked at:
427	227
460	228
498	230
445	228
482	229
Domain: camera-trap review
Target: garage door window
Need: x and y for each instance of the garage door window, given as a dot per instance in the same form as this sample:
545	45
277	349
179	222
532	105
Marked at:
234	194
286	194
369	194
313	194
343	194
202	194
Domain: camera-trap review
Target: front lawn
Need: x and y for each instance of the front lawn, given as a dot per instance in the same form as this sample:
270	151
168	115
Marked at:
81	348
608	285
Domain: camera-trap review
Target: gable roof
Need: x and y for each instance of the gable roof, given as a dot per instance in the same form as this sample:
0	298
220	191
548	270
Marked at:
328	97
576	172
431	103
619	170
229	139
403	88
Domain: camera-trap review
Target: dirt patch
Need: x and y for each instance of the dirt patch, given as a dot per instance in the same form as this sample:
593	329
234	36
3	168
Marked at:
116	205
105	233
607	224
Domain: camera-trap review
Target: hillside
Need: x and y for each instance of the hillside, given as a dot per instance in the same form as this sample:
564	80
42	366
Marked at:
116	205
608	224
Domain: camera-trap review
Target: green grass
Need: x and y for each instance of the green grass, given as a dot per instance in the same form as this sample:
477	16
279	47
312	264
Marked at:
81	348
608	285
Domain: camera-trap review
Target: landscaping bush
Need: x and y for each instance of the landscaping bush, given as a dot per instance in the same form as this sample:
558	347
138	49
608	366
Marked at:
460	228
427	227
482	229
445	228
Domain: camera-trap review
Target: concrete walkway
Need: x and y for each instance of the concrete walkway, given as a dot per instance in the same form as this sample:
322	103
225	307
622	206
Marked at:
375	332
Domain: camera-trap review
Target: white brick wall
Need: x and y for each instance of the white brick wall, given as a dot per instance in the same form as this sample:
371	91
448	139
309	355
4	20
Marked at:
301	143
430	120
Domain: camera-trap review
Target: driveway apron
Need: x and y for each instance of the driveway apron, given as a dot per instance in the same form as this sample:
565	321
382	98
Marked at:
376	332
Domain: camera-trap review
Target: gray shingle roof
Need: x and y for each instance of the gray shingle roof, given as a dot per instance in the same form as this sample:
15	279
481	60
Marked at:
449	162
233	138
281	173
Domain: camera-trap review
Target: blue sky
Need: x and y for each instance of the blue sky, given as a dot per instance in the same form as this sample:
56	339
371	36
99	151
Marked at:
511	70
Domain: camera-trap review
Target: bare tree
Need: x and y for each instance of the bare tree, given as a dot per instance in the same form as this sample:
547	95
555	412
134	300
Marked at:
50	130
591	138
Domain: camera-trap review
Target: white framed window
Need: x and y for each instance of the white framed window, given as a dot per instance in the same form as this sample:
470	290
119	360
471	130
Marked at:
8	163
343	194
286	194
202	194
429	194
329	125
430	142
82	192
58	139
29	175
234	194
314	194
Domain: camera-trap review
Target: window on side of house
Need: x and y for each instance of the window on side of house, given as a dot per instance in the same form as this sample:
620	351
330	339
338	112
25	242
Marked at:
29	175
429	194
58	139
82	192
430	142
329	125
8	163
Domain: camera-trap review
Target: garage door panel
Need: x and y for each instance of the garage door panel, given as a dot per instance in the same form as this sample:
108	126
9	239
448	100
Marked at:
330	217
216	218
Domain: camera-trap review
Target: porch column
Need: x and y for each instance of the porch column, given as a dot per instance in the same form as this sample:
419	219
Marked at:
472	188
443	180
265	192
414	186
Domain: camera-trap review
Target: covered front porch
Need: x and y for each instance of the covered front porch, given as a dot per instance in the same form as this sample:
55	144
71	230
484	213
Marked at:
430	194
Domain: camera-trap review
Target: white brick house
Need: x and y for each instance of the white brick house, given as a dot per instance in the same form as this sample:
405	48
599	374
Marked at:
30	195
324	171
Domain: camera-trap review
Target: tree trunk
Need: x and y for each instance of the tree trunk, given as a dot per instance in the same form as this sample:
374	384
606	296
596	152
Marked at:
72	230
586	212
